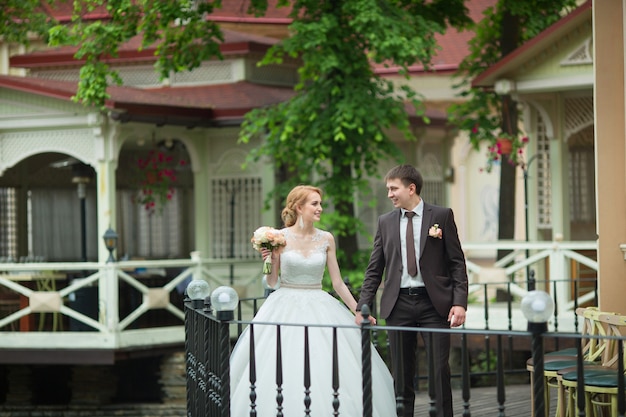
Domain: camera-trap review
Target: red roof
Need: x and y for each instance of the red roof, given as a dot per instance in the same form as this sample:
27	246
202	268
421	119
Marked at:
230	11
523	53
199	105
211	104
234	43
453	44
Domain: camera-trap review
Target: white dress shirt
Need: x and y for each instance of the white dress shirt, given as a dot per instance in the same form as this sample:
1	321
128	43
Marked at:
407	280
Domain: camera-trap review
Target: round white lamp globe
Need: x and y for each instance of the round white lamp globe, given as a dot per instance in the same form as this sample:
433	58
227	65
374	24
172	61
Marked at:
197	291
224	300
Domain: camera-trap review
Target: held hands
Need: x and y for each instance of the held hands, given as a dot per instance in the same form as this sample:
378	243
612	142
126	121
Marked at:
456	317
358	319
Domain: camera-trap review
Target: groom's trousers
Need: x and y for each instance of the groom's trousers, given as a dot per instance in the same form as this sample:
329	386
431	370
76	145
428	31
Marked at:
418	311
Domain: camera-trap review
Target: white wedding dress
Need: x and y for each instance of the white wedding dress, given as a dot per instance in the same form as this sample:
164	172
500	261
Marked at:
301	300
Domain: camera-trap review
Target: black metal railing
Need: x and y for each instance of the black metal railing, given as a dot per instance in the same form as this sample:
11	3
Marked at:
208	348
495	315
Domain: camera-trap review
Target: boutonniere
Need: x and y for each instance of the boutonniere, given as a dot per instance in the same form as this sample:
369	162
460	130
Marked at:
435	231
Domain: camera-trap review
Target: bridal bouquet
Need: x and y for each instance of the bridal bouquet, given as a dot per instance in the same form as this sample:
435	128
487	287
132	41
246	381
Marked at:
268	238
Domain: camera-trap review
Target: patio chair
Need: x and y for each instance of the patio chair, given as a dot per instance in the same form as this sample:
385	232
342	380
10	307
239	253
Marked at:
592	349
600	381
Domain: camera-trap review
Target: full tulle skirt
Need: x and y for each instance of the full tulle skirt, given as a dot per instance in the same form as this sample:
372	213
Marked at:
309	307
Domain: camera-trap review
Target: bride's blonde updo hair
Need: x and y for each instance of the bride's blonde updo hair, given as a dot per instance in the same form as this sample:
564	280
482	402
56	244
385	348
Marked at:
297	196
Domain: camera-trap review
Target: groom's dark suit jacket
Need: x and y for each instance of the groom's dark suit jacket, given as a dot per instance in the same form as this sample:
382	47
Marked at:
442	262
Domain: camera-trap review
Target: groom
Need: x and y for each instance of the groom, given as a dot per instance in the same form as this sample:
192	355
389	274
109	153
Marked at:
425	282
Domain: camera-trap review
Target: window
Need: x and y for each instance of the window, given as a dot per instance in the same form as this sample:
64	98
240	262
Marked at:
236	205
582	177
544	179
156	235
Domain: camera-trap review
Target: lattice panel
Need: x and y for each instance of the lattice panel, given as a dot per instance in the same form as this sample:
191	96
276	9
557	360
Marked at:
212	73
146	76
236	205
583	55
39	104
58	74
12	108
16	146
139	76
578	114
8	224
274	74
544	179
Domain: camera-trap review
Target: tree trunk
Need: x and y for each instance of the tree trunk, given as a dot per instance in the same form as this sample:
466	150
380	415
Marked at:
348	244
506	218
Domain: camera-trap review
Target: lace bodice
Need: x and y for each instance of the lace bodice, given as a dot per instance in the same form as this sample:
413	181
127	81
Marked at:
302	261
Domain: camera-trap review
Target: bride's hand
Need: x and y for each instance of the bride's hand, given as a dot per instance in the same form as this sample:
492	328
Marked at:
265	253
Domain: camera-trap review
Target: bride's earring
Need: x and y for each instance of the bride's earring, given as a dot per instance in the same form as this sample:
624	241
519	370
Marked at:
300	222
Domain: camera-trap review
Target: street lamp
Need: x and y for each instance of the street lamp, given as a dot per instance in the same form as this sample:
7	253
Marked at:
110	241
538	307
197	291
224	300
525	167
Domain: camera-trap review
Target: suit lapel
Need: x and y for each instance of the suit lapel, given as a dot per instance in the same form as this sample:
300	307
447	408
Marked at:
426	223
395	231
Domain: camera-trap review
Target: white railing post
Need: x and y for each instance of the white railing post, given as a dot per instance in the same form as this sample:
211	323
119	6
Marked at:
197	267
108	294
559	272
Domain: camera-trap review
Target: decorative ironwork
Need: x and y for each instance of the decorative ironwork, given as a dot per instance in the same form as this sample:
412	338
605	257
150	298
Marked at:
366	362
307	374
279	374
252	373
335	375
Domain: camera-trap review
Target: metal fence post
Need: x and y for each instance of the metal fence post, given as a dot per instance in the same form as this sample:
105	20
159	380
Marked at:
366	361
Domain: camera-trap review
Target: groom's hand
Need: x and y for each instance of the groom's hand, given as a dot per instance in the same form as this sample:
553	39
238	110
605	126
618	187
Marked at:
358	319
456	317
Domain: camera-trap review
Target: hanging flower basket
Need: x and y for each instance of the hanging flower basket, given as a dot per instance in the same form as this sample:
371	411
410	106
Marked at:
505	146
156	179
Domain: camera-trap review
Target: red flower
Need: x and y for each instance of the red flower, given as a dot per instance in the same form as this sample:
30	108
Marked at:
157	174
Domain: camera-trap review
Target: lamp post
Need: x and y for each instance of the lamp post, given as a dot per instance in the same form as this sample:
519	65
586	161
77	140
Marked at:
197	291
110	241
81	180
525	167
224	300
538	307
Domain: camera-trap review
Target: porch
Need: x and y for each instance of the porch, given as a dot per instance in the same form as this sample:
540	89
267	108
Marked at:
87	312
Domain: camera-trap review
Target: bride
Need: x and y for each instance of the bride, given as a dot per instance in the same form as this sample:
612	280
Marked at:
301	300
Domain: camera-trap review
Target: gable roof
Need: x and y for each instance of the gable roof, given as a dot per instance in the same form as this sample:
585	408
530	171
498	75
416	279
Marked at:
540	42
